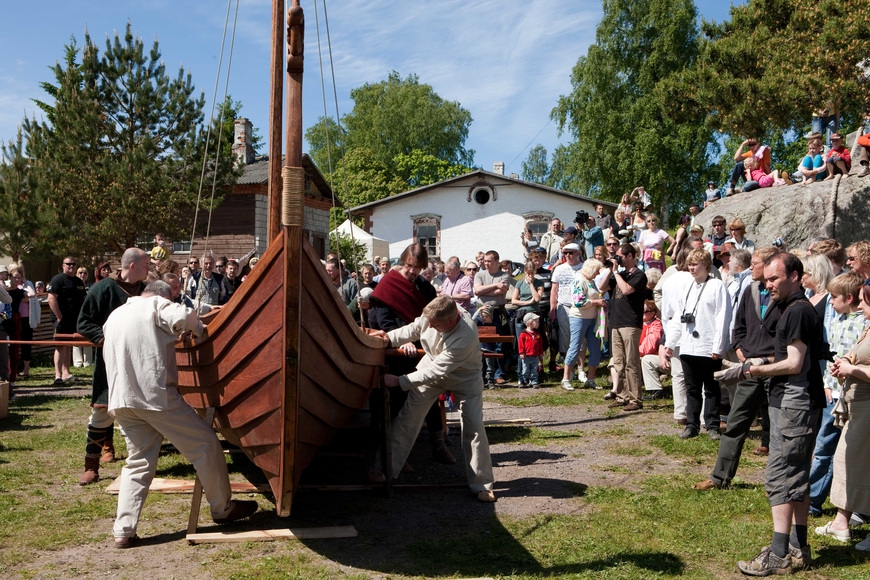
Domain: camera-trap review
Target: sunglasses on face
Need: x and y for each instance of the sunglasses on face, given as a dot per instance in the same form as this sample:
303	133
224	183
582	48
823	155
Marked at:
69	263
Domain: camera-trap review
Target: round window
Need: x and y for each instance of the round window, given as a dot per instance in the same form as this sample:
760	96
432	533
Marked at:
481	196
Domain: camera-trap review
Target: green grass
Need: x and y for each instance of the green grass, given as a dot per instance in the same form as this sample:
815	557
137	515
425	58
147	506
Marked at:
659	528
547	398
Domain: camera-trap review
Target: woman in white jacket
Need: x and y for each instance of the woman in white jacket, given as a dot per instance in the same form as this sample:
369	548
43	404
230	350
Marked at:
700	329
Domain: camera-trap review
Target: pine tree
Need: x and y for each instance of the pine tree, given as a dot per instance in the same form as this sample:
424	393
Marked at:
121	151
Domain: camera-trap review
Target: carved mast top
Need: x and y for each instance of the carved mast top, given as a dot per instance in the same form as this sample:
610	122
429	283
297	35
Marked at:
295	38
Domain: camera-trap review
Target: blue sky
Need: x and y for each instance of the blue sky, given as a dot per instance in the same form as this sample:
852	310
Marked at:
506	61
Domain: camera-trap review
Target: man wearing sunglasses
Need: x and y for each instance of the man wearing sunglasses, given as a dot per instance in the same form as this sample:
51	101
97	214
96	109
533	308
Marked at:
66	293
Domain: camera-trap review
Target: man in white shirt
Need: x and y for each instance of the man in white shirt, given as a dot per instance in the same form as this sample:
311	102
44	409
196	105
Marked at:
560	299
139	350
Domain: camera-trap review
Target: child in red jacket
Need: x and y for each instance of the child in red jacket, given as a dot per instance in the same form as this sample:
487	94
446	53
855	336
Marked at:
531	348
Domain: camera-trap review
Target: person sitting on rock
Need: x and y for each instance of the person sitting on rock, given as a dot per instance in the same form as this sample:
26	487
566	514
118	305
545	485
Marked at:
760	152
812	167
754	173
863	152
838	160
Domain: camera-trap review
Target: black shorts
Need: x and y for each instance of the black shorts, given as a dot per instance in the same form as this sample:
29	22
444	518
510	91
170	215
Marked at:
64	327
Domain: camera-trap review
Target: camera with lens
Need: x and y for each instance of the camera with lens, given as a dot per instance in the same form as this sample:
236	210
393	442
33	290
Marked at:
615	260
581	217
687	318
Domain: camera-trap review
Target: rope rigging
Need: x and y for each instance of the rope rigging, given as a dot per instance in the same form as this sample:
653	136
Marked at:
199	289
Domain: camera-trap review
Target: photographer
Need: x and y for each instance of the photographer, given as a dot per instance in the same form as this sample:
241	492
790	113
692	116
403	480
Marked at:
592	234
700	329
628	289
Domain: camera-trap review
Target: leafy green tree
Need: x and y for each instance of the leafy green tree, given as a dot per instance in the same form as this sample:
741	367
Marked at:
535	168
622	137
122	149
325	142
350	250
772	64
422	168
361	178
412	135
27	226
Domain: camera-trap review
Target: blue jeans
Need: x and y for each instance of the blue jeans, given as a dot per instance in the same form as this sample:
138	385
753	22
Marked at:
583	328
529	370
822	469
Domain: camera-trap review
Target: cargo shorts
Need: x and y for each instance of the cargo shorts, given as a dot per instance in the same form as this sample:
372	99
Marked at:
792	439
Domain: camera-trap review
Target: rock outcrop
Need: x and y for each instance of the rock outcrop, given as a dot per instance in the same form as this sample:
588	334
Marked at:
838	208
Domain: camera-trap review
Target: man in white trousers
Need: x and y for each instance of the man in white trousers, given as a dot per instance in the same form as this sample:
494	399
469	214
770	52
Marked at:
139	351
452	361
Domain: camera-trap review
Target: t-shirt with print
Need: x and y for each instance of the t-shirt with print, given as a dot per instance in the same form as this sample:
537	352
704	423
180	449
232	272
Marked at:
484	278
564	276
545	276
627	311
804	390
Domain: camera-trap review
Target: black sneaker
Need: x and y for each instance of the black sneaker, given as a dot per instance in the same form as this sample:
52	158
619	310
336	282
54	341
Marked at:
765	564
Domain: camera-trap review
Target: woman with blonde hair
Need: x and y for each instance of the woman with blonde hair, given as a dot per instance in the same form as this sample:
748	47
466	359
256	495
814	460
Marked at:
26	312
583	317
651	241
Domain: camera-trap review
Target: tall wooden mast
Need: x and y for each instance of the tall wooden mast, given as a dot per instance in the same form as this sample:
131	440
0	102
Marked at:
293	178
276	133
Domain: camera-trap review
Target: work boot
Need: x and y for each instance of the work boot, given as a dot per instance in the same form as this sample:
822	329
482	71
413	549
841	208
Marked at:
92	471
440	451
108	455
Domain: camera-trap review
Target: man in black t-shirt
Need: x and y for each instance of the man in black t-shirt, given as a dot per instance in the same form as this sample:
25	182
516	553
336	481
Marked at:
66	294
626	320
796	397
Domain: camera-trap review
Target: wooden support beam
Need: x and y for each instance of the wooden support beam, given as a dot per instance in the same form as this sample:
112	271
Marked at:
161	485
270	535
497	422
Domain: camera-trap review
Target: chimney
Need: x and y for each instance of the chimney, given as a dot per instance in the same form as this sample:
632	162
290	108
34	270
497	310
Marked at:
514	176
243	149
498	167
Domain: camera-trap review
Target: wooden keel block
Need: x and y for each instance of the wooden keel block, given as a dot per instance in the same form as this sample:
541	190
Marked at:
186	486
272	535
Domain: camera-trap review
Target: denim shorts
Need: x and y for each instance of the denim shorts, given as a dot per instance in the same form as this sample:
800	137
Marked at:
792	439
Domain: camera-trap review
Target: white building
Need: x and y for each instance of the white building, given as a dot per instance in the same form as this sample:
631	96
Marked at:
478	211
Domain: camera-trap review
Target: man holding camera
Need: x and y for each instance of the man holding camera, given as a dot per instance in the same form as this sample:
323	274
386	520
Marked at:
628	290
592	234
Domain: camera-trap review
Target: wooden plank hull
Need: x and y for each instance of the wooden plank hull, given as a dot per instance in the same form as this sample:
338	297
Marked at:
239	367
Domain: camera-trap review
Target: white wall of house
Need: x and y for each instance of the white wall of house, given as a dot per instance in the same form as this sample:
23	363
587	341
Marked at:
467	226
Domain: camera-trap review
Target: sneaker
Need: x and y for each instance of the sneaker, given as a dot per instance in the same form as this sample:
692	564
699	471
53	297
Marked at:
567	385
714	435
827	530
863	545
765	564
590	384
857	520
609	396
523	385
729	191
865	171
801	558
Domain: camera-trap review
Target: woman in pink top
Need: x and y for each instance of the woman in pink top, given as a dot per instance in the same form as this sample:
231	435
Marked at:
651	242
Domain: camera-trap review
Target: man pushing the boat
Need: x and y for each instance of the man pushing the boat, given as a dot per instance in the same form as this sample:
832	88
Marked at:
140	364
452	360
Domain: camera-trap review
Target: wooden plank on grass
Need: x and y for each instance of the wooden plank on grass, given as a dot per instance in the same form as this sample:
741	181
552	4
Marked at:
270	535
496	422
186	486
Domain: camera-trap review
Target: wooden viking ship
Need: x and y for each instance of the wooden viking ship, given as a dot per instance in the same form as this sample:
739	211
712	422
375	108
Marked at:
283	364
